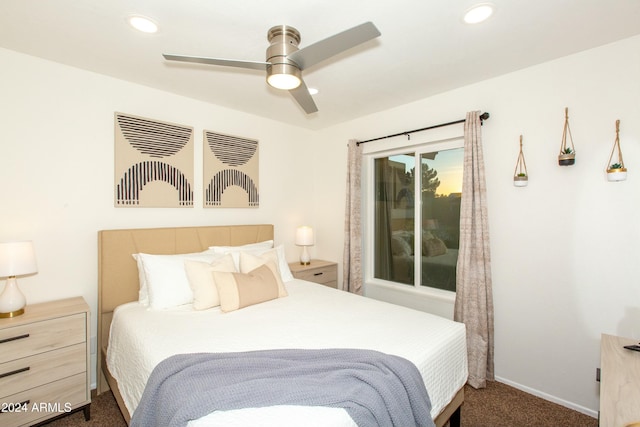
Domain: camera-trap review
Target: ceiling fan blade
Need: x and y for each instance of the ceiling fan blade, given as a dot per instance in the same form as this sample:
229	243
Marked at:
303	97
253	65
324	49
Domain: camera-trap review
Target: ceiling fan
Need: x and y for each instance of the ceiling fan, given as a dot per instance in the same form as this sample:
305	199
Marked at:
285	62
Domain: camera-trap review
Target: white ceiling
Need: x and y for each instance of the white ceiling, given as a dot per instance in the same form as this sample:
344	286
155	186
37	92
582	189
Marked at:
425	48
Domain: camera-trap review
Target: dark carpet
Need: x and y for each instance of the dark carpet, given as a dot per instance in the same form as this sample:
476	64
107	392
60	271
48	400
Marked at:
498	405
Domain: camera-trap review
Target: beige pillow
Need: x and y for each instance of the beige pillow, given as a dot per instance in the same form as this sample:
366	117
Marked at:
433	247
202	283
249	262
239	290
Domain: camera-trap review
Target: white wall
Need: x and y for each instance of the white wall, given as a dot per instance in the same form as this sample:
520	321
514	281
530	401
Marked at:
57	173
565	249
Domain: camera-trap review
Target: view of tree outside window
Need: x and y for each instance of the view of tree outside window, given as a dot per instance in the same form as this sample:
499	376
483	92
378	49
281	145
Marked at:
396	249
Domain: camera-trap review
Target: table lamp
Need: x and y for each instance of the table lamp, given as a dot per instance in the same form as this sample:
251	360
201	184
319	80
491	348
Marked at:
16	259
304	238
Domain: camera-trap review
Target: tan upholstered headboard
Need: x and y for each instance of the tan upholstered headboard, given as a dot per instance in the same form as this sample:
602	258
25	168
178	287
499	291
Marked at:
118	272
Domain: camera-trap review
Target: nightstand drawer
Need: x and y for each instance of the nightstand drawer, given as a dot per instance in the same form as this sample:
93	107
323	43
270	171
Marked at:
56	398
29	372
318	271
25	340
319	275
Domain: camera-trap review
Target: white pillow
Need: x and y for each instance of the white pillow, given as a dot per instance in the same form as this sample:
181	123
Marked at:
283	265
165	278
267	244
249	261
235	250
143	292
258	249
202	283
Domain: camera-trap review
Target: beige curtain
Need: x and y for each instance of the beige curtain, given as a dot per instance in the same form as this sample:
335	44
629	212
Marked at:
352	257
474	299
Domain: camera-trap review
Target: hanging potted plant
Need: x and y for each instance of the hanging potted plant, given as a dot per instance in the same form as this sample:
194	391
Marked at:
616	171
567	156
521	180
520	177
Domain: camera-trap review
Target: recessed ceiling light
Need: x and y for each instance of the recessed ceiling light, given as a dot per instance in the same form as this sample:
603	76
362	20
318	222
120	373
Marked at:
478	13
143	24
313	91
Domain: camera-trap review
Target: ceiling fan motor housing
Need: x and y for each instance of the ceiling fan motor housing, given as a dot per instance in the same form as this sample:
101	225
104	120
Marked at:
283	41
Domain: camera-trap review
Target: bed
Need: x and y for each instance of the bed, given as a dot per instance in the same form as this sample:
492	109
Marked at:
300	320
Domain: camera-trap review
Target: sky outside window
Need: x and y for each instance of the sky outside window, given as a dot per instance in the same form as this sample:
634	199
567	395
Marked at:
448	163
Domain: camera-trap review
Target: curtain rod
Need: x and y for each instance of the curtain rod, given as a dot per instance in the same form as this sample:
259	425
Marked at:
484	116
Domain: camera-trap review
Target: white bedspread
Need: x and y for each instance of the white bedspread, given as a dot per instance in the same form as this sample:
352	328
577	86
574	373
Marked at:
312	316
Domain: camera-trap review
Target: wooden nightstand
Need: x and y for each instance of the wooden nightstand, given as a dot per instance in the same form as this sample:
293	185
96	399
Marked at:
44	362
318	271
619	382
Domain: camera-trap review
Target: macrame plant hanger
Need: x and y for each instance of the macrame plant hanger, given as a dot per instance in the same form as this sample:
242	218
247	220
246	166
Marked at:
520	175
616	170
567	156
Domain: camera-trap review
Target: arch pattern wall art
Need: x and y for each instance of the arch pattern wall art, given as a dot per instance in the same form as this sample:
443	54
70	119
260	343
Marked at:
230	165
153	163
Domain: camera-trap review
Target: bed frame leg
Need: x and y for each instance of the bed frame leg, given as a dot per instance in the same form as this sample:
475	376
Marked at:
454	421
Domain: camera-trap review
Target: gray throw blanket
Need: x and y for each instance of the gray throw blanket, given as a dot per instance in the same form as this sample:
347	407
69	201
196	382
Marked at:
376	389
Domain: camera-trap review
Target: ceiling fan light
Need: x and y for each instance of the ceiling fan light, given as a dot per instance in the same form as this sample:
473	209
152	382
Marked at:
283	81
284	76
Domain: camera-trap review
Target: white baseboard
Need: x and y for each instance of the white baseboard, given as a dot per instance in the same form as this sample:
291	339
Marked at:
550	398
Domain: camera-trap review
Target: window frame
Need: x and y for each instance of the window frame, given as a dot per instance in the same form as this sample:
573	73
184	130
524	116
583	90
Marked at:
439	142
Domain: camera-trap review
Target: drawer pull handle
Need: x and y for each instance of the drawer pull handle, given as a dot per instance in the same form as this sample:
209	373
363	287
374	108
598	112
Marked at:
17	371
318	274
19	337
14	405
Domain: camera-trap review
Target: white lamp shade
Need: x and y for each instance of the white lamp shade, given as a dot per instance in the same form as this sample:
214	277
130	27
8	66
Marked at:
304	236
17	259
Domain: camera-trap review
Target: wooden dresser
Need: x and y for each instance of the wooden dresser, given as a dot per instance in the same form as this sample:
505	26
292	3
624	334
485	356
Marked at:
619	383
318	271
44	362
